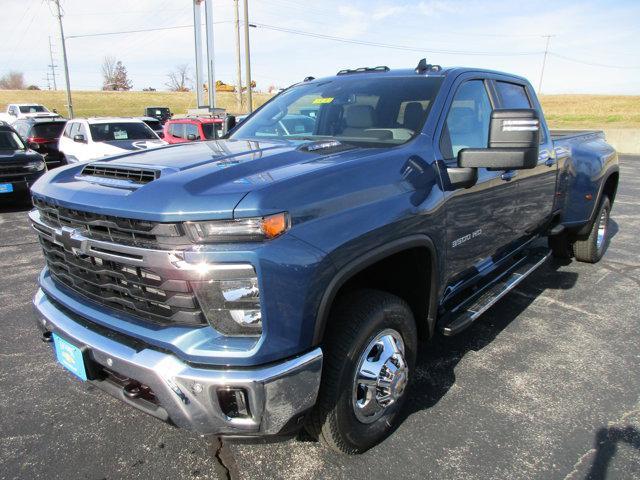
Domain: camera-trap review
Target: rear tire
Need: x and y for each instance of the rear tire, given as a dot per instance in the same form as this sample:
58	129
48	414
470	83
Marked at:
593	248
369	357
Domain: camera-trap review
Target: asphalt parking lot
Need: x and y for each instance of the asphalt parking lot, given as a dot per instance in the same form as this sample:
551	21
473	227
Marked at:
545	385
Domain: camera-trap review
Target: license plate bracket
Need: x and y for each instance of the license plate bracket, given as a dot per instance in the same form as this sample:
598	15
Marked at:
73	358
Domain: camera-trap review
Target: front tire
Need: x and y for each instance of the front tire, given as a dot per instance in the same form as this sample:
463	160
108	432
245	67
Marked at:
593	248
369	357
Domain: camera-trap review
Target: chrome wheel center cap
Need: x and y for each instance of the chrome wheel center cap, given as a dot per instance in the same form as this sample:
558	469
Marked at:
381	377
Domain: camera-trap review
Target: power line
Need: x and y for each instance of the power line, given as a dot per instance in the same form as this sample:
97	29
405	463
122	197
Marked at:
386	45
156	29
594	64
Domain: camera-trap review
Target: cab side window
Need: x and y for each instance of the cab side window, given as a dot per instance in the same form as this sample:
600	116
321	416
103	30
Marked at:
82	131
192	129
177	130
467	123
513	95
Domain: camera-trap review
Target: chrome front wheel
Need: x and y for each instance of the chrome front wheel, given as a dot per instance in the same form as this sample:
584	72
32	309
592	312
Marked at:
381	376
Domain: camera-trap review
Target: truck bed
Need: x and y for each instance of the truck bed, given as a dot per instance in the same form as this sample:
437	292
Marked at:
569	134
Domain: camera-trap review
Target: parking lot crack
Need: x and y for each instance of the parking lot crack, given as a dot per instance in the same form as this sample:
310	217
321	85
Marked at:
226	464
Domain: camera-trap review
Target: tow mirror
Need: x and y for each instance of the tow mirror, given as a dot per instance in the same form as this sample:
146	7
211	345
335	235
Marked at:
514	142
79	138
230	122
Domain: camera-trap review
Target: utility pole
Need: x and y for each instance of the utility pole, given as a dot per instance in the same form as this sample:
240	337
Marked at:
48	78
52	66
236	20
544	61
247	54
64	56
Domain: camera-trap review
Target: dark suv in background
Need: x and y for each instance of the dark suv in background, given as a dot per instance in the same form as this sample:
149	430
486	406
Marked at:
20	167
42	135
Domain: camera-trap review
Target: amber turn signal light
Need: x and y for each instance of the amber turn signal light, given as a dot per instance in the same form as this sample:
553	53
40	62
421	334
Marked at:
275	225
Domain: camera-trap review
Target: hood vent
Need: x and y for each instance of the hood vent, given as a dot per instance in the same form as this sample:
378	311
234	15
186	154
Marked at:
138	176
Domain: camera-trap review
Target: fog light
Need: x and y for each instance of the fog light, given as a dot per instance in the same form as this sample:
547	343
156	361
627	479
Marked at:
234	403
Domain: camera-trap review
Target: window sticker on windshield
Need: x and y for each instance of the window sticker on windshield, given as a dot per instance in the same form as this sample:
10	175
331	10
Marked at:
120	135
323	100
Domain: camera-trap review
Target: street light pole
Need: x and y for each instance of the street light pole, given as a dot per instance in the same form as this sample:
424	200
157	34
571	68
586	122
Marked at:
64	57
247	54
236	20
208	11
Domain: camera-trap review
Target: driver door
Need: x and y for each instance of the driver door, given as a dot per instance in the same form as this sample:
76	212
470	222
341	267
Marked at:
480	218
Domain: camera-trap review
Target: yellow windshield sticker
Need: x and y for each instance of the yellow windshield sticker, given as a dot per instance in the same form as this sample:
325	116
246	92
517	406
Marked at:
323	100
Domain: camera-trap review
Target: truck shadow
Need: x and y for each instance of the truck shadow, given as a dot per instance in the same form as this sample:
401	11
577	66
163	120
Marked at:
437	359
606	445
14	205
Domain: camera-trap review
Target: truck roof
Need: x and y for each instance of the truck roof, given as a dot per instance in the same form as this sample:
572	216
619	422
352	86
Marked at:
432	71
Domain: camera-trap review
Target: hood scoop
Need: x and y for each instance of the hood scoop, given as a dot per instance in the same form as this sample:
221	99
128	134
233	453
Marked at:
118	175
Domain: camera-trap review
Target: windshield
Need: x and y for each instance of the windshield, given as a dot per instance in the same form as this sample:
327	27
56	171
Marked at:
105	132
10	141
368	111
32	109
47	130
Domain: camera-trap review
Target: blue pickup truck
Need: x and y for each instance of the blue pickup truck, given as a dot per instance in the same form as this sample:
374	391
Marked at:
282	277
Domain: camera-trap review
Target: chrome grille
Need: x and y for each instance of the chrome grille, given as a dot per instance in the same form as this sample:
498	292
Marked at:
136	175
106	228
134	290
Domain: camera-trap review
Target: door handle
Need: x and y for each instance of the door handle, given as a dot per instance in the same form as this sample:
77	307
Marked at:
509	175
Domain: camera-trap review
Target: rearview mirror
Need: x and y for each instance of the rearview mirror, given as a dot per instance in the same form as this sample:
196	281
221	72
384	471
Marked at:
514	142
79	138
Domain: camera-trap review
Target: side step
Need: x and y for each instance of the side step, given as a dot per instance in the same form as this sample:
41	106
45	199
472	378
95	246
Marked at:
466	313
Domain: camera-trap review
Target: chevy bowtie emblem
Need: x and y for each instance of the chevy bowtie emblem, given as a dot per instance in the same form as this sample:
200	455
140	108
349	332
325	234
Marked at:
65	238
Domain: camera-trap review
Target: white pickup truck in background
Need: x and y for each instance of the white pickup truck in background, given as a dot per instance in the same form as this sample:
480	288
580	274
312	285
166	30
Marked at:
17	111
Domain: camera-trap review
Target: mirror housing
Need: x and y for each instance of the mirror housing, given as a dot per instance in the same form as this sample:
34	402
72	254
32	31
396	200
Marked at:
230	122
79	138
514	142
191	137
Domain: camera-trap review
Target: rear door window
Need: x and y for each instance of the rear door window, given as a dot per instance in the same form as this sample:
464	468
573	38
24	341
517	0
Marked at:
512	95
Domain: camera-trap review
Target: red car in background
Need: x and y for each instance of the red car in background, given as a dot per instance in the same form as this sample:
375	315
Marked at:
191	129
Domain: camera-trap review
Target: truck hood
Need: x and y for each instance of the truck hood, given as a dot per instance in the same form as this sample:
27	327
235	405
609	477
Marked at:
197	181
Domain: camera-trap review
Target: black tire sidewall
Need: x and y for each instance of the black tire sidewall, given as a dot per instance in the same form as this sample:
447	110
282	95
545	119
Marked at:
358	435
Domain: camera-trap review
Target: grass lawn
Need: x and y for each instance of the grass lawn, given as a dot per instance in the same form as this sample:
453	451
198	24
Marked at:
561	111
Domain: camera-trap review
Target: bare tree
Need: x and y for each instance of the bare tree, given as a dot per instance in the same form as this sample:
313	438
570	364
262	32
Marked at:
12	81
179	79
108	72
121	78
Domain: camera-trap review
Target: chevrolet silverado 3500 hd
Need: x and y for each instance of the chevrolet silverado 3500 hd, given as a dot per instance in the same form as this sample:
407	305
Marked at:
281	278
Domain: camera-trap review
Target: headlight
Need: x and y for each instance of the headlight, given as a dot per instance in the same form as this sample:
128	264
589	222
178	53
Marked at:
231	306
239	230
36	166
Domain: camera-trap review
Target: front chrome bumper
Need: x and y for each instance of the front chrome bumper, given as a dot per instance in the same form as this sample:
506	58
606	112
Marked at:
187	395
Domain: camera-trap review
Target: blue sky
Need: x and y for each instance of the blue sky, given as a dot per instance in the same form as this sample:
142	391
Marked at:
502	35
